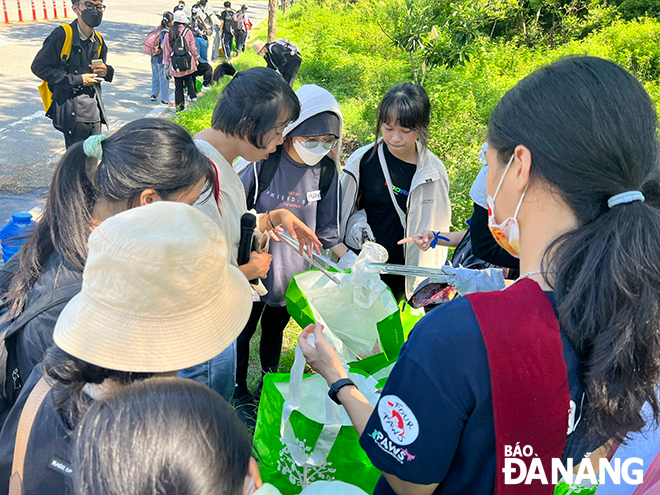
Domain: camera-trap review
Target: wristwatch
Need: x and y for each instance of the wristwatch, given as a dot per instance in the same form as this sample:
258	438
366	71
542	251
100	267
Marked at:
335	387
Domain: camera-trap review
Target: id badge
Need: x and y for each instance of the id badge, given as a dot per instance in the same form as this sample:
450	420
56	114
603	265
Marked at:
313	196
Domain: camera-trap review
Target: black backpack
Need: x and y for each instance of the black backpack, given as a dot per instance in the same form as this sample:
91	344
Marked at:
181	57
11	380
239	25
270	166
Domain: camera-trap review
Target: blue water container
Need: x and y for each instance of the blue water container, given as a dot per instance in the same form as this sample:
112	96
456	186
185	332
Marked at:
19	225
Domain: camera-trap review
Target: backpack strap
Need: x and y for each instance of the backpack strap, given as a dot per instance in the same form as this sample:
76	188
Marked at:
65	53
42	304
265	177
651	483
528	377
25	423
101	40
328	171
45	302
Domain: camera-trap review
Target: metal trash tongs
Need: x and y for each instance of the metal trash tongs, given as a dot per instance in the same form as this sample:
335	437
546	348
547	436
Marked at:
315	260
408	271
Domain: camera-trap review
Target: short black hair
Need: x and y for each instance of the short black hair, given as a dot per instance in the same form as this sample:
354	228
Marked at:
228	5
255	102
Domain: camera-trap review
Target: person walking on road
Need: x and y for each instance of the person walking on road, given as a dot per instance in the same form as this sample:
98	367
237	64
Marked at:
180	53
227	29
160	79
182	6
242	25
72	62
203	15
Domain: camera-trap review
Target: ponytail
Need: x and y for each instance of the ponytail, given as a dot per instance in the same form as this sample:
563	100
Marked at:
70	375
63	228
607	286
591	129
168	17
144	154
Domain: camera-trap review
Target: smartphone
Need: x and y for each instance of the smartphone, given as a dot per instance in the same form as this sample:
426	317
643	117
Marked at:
97	61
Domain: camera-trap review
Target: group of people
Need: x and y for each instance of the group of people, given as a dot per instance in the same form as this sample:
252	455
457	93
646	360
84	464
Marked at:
134	268
72	62
187	48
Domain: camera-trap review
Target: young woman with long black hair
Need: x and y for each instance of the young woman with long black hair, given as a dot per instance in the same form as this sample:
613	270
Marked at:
395	187
144	161
158	295
576	341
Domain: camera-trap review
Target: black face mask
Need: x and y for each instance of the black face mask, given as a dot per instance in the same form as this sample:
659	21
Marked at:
92	17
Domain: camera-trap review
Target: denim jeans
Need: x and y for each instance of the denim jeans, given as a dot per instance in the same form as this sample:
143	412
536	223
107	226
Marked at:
227	44
219	373
216	42
160	86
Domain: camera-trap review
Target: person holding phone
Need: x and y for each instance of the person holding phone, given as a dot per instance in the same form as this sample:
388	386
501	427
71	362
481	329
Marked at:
77	108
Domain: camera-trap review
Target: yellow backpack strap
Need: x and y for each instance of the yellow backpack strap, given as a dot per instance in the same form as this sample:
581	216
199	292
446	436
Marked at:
68	40
101	40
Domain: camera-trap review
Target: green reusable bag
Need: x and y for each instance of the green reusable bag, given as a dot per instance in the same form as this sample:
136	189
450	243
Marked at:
306	438
355	331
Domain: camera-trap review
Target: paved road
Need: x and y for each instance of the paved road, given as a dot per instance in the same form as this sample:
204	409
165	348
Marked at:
29	146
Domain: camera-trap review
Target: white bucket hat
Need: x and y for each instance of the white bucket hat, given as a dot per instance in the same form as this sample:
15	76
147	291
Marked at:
180	16
158	293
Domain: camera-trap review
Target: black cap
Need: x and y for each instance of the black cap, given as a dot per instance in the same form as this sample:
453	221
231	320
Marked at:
319	125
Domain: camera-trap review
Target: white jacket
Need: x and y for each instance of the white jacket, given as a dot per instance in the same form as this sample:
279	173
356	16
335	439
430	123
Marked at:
428	206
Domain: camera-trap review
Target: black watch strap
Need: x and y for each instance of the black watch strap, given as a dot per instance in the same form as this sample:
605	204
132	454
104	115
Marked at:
335	387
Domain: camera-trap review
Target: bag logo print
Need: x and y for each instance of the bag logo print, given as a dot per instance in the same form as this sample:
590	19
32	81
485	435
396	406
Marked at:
302	476
398	421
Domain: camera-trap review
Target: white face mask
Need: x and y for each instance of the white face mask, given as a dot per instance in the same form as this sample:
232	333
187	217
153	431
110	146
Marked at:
310	156
249	487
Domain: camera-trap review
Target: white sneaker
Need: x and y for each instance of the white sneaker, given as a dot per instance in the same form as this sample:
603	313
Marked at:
206	88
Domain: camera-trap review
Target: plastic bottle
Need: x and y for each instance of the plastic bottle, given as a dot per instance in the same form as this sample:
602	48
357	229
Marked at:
19	225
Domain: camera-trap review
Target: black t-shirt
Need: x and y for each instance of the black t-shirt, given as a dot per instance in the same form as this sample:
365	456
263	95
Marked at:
228	17
377	203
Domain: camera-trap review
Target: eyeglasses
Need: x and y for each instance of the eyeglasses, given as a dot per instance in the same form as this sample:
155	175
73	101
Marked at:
91	5
312	143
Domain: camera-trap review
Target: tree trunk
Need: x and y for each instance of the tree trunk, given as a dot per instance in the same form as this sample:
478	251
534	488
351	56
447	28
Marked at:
272	20
412	62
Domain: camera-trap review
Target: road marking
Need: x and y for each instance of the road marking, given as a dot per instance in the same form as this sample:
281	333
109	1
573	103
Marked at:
141	59
25	120
156	112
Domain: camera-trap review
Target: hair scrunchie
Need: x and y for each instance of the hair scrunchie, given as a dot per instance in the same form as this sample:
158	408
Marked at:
92	146
625	197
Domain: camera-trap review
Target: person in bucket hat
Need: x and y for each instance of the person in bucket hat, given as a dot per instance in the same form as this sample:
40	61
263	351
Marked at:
158	295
